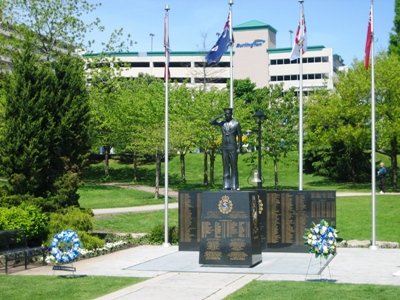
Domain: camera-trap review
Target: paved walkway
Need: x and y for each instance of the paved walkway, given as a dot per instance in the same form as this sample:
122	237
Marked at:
174	274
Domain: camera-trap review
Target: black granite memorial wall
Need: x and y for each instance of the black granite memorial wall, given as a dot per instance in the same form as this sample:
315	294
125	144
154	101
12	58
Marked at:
230	234
283	217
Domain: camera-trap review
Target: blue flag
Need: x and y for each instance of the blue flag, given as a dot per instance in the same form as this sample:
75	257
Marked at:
215	54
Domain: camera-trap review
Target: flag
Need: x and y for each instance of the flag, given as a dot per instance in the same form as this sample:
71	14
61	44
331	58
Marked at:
215	54
166	47
300	41
369	40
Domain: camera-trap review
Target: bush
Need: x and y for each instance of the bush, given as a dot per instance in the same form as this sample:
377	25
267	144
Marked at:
156	235
28	217
76	219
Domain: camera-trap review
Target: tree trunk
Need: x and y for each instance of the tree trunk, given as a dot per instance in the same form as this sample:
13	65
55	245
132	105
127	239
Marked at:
106	160
134	157
212	165
393	161
276	174
183	172
205	169
158	174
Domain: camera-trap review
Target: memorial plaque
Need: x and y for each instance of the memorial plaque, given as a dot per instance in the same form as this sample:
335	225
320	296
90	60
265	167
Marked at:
288	213
230	234
189	220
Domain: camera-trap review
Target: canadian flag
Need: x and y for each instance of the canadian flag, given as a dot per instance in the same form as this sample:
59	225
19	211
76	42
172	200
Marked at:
300	41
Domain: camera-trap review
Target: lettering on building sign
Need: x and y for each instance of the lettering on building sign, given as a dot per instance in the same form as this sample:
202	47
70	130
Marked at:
256	43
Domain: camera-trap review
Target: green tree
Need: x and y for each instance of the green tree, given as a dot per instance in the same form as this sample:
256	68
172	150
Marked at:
210	104
280	128
394	41
105	93
148	102
184	125
45	138
387	76
57	24
337	128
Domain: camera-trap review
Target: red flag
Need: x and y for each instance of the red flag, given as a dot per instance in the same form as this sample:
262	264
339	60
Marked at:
300	41
369	40
166	47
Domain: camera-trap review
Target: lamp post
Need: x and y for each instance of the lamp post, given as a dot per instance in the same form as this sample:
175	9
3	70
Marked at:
151	36
259	117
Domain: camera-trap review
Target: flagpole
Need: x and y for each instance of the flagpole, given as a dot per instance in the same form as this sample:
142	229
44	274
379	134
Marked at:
301	110
166	44
231	53
373	136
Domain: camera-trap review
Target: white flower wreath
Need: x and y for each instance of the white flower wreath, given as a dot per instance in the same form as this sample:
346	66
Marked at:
65	246
321	239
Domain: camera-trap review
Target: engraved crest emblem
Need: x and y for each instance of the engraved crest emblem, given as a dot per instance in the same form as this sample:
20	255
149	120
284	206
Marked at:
225	205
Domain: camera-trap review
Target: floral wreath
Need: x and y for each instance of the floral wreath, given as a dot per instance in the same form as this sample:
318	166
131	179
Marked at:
321	239
65	246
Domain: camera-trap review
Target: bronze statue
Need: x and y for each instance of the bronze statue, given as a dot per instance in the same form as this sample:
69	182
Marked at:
231	146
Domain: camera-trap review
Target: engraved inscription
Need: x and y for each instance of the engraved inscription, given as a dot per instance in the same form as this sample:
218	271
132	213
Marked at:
237	255
213	255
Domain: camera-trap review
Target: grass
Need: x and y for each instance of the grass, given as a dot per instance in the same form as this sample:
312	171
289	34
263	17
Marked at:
134	222
308	290
287	174
354	217
102	196
56	287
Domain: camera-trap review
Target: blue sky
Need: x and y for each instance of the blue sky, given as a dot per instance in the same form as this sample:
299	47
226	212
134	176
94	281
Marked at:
340	24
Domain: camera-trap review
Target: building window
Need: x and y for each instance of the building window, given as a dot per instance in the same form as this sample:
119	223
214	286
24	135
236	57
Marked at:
294	77
211	80
180	64
325	59
273	61
318	59
135	64
280	61
273	78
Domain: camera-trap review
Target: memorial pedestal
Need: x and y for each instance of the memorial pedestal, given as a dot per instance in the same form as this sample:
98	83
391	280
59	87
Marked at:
230	234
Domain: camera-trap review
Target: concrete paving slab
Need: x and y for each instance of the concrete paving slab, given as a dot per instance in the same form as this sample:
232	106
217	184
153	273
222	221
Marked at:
272	263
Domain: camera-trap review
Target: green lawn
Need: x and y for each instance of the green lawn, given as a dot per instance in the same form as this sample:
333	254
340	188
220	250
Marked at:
60	288
313	290
354	217
134	222
102	196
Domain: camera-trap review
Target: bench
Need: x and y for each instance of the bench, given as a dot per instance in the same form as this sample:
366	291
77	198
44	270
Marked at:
14	247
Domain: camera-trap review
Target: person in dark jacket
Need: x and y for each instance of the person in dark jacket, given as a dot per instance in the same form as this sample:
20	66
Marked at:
382	177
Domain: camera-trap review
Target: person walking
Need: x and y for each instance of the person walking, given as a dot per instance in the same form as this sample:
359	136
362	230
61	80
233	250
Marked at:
382	177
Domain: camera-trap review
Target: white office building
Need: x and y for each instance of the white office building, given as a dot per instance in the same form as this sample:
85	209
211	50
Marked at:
255	56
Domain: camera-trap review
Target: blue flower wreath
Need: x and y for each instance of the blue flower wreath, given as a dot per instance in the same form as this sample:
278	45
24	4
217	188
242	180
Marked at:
321	239
65	246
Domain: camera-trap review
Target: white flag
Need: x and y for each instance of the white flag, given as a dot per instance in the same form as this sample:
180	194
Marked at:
300	41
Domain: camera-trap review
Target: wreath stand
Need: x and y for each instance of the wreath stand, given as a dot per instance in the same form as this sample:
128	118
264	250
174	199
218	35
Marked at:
322	268
65	268
70	237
